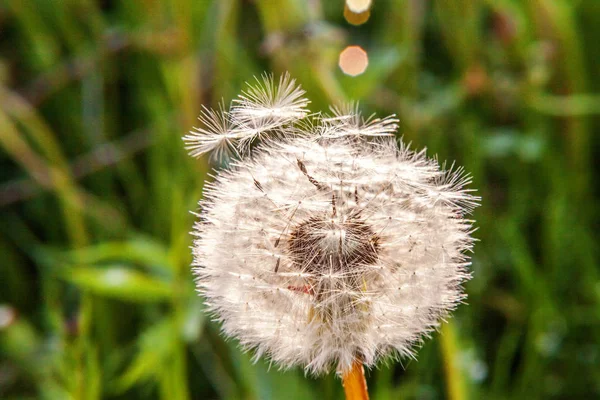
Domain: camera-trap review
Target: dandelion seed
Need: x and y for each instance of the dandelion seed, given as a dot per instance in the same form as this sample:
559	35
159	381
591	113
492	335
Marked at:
268	109
270	105
347	121
216	135
329	245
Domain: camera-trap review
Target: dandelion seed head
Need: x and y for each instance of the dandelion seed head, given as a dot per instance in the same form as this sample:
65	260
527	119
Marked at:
330	243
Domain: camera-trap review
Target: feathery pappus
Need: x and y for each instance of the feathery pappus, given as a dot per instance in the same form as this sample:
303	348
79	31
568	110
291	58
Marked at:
325	241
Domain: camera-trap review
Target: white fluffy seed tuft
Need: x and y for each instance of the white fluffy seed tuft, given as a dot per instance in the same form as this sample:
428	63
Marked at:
328	243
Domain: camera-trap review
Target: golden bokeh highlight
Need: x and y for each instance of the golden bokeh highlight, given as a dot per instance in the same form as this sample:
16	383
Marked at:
356	18
358	6
353	60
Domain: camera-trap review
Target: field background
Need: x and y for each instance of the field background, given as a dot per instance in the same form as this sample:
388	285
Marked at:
96	295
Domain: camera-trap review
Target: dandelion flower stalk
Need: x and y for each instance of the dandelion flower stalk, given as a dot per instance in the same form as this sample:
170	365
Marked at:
326	243
355	384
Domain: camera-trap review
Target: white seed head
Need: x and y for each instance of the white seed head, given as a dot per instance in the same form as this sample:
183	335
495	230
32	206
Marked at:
329	243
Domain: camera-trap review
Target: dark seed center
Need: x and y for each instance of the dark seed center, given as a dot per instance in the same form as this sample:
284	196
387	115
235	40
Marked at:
324	244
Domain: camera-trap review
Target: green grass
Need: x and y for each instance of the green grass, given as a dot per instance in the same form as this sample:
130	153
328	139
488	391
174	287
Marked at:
96	296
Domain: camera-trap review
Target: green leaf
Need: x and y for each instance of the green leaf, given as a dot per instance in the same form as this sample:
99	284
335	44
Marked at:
119	283
154	347
139	250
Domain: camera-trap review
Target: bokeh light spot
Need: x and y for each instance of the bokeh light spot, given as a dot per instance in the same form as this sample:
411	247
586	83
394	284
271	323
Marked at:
7	316
353	60
358	6
356	18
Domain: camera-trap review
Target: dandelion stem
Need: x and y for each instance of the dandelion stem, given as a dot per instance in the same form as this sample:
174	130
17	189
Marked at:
355	385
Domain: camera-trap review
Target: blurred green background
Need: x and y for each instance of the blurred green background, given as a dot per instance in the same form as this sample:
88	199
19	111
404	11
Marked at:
96	295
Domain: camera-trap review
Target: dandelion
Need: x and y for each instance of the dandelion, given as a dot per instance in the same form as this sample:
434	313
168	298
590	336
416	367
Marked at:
328	245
